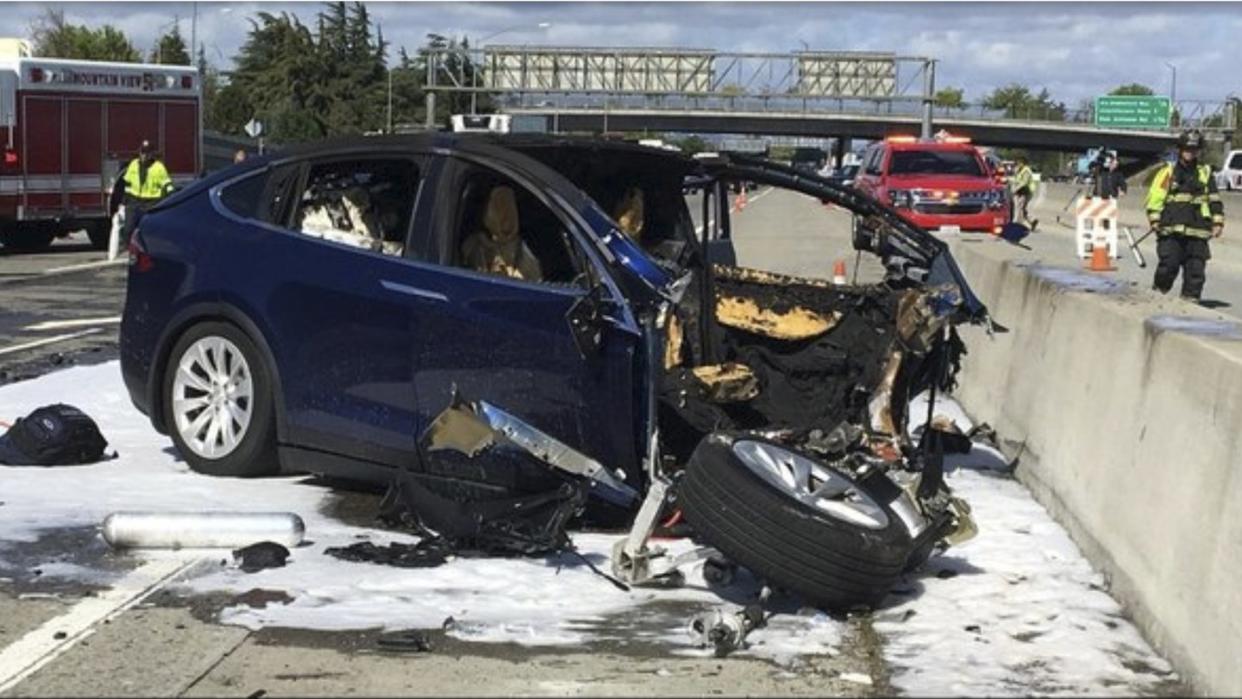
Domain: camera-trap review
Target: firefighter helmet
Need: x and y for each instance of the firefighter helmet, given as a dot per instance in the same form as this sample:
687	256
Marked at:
1190	140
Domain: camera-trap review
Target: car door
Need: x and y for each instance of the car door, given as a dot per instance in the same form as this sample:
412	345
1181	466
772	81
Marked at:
509	341
343	333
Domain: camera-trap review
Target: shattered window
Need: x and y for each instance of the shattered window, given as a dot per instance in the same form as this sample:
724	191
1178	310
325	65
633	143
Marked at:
362	203
503	229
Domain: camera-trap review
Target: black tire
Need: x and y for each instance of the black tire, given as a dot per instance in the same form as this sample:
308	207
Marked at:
831	563
99	232
28	238
255	455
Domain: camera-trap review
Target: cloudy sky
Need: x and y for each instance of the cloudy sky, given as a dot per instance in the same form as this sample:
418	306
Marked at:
1077	50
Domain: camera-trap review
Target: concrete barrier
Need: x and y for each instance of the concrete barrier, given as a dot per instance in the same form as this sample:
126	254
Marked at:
1129	407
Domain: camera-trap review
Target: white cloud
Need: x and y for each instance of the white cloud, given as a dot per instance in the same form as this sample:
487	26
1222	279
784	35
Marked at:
1076	50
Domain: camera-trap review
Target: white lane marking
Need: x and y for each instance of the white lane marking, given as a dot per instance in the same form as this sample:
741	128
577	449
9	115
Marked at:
42	645
761	195
85	265
74	323
49	340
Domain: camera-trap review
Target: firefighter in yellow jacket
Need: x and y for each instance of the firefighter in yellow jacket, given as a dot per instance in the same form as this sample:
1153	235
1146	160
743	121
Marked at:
1185	211
142	183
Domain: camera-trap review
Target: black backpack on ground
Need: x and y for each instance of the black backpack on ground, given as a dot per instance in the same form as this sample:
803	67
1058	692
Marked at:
54	435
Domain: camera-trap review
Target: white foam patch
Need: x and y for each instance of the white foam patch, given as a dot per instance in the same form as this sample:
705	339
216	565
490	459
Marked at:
553	601
1045	626
1025	612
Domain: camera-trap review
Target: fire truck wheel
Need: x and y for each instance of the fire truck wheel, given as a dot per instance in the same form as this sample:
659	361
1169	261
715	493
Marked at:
99	232
27	238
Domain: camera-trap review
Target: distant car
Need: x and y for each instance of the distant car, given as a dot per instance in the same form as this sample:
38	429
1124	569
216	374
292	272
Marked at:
324	310
1229	177
935	183
844	176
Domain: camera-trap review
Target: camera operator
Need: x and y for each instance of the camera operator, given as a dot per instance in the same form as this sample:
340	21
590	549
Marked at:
1109	183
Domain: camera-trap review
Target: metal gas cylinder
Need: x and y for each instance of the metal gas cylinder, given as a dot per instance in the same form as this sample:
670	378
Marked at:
153	530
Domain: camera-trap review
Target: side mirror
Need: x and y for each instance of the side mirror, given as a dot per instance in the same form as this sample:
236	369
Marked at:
863	238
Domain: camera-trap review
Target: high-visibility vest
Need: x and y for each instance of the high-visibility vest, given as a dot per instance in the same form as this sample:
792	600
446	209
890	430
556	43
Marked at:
1185	213
1024	178
155	186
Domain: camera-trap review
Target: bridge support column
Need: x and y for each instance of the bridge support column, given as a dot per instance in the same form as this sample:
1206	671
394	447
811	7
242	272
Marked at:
929	95
431	109
839	148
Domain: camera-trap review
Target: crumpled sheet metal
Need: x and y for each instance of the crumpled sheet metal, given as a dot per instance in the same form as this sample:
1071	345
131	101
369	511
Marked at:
729	382
922	315
796	323
472	428
880	406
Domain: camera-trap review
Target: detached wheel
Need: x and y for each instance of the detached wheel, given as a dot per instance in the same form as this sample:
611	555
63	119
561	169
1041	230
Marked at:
218	403
803	526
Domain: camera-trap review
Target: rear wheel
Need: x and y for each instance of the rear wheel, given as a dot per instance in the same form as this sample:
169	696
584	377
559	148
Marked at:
219	404
28	237
99	232
802	525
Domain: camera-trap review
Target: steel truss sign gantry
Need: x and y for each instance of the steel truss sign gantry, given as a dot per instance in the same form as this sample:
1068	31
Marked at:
819	75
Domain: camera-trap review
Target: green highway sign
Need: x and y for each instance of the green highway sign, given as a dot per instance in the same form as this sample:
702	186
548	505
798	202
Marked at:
1132	112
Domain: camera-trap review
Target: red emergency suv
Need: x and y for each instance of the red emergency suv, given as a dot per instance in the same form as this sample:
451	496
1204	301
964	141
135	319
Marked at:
936	184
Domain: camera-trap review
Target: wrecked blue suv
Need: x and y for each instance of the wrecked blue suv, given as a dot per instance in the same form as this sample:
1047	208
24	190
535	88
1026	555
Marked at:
412	303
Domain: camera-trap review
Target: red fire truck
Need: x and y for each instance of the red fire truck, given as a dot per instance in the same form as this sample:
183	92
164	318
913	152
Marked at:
67	128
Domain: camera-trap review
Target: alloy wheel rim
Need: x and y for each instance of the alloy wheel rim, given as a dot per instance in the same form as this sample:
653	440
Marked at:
811	483
212	397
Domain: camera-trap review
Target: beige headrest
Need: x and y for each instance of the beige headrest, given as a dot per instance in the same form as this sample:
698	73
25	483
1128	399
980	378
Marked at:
500	220
629	214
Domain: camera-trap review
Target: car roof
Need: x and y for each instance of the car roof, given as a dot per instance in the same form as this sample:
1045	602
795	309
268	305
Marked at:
490	144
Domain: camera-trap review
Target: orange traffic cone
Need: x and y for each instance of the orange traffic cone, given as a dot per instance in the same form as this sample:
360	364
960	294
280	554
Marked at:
1099	259
838	272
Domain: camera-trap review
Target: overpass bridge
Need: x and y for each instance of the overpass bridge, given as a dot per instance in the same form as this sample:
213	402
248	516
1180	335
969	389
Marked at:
823	94
1033	135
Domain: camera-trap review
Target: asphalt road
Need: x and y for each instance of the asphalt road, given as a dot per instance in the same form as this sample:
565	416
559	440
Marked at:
60	307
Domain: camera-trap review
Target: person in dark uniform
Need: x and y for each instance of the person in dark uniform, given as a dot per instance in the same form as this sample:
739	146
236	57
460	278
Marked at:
1185	211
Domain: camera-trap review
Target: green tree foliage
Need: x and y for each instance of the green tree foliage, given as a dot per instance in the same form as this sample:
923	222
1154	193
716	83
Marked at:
1018	102
1132	89
691	144
951	98
52	36
170	50
304	84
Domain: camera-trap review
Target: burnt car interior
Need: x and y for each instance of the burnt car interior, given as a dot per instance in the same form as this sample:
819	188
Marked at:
365	203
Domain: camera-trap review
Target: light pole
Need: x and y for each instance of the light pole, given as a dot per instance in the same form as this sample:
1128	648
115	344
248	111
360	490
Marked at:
1172	85
478	45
